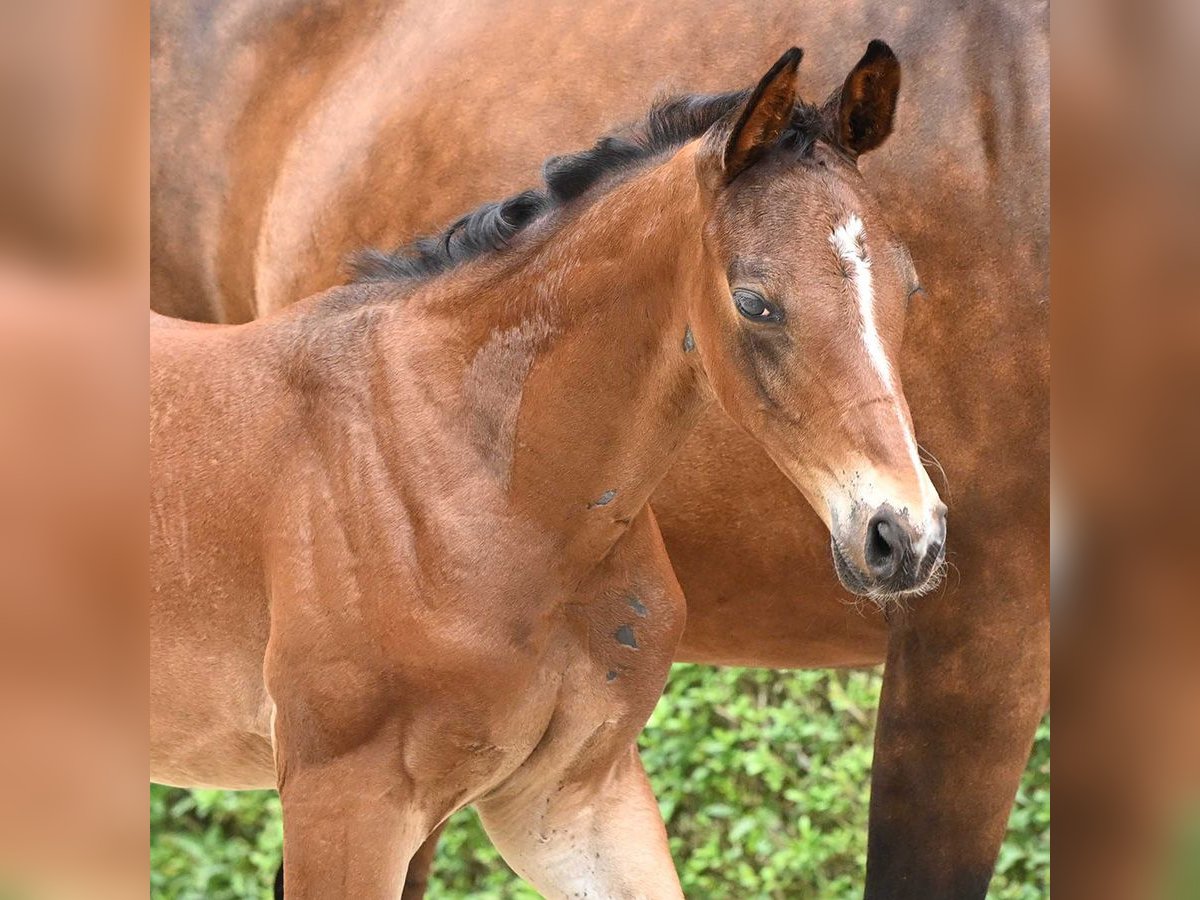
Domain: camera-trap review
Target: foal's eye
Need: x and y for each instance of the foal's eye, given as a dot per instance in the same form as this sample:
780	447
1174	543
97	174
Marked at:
752	305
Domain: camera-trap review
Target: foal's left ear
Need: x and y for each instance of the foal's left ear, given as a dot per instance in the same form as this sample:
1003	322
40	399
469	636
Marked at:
860	114
762	119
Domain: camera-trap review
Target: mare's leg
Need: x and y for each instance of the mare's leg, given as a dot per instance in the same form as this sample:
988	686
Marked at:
602	837
966	683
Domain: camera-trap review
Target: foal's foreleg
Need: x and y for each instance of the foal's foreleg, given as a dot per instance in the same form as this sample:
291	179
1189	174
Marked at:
348	831
600	838
416	880
419	867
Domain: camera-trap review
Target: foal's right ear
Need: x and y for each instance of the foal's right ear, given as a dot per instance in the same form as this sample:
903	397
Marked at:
759	123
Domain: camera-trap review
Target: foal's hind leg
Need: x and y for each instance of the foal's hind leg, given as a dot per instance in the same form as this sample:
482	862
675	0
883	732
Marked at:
602	838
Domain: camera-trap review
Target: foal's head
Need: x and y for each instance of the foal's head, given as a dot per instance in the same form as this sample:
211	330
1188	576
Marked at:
801	324
802	297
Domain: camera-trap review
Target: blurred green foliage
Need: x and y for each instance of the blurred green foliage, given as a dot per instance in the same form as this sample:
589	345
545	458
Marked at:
1183	876
213	844
763	779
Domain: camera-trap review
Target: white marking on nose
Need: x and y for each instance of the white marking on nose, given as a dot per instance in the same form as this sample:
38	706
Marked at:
849	242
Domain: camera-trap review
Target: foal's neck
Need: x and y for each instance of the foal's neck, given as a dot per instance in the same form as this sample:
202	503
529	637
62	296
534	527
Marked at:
587	381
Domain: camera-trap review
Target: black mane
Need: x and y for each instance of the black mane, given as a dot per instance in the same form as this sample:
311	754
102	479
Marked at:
669	124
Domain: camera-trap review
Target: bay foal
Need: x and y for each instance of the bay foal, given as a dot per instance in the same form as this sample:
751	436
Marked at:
402	559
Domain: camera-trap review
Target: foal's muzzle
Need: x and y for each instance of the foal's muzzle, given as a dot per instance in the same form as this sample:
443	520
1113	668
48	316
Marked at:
896	558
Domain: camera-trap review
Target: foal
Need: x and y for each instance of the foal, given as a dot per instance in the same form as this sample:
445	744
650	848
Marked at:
402	558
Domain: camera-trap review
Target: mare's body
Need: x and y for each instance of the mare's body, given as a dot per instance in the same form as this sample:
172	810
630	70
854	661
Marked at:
296	165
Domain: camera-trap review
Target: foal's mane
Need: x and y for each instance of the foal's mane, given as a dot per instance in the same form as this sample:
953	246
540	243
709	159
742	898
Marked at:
669	124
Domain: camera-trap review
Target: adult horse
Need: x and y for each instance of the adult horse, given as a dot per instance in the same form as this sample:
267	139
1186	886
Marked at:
288	136
402	557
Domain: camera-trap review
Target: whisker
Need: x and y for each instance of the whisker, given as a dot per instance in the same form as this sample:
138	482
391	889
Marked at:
936	462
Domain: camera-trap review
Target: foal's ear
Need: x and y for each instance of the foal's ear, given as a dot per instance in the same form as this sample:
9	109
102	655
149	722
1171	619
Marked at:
762	119
860	115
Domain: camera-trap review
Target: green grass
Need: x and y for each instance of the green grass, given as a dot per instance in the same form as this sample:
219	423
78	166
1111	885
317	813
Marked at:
763	779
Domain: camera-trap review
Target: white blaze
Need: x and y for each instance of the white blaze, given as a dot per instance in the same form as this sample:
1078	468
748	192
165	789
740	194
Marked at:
849	241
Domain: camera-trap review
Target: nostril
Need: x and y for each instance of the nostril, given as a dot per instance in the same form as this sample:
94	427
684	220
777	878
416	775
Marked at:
882	538
882	550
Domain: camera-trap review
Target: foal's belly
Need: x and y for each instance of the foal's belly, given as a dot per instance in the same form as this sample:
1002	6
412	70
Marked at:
232	760
210	723
210	714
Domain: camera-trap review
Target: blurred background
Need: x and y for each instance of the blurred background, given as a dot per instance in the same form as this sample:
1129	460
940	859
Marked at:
1126	437
1126	291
